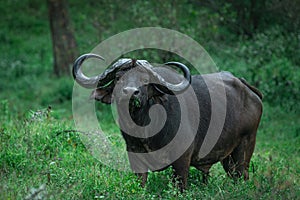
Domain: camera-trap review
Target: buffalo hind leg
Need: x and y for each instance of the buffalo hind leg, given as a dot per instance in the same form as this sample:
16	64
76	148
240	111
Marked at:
237	163
229	165
205	172
234	164
250	145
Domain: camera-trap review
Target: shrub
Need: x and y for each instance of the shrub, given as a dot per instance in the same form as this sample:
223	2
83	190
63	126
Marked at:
273	65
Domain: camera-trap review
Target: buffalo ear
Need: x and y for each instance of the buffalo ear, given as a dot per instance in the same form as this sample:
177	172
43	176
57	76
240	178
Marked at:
157	95
102	94
153	91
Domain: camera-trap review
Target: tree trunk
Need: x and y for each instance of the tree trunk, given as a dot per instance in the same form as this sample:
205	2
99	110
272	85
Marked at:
63	40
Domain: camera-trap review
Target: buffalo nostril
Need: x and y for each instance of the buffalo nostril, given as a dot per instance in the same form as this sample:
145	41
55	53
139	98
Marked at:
136	92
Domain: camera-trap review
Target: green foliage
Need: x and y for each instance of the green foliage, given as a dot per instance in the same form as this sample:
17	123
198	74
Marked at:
39	153
265	59
273	65
248	17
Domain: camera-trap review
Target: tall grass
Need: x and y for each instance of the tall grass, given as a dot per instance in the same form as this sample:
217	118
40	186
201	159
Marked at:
35	153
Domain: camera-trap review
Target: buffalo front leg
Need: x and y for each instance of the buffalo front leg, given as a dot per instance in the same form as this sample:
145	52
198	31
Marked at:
139	165
181	171
181	175
142	177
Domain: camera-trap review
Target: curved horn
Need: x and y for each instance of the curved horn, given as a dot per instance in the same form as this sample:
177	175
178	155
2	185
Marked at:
81	79
169	88
101	80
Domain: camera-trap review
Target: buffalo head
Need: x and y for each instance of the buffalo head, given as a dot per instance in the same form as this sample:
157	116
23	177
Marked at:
140	85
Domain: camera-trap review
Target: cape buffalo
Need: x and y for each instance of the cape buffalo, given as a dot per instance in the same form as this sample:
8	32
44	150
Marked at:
189	110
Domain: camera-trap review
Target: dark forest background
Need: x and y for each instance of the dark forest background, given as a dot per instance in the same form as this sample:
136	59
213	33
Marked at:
255	39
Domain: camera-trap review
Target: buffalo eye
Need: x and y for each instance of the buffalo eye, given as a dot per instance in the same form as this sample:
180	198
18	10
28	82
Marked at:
118	78
145	80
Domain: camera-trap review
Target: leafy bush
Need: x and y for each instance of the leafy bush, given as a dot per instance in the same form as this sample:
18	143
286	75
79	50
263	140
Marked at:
273	65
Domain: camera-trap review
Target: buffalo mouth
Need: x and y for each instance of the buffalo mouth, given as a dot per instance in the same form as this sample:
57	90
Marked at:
134	102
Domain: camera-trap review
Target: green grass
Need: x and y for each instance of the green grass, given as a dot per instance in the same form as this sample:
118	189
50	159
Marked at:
33	154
